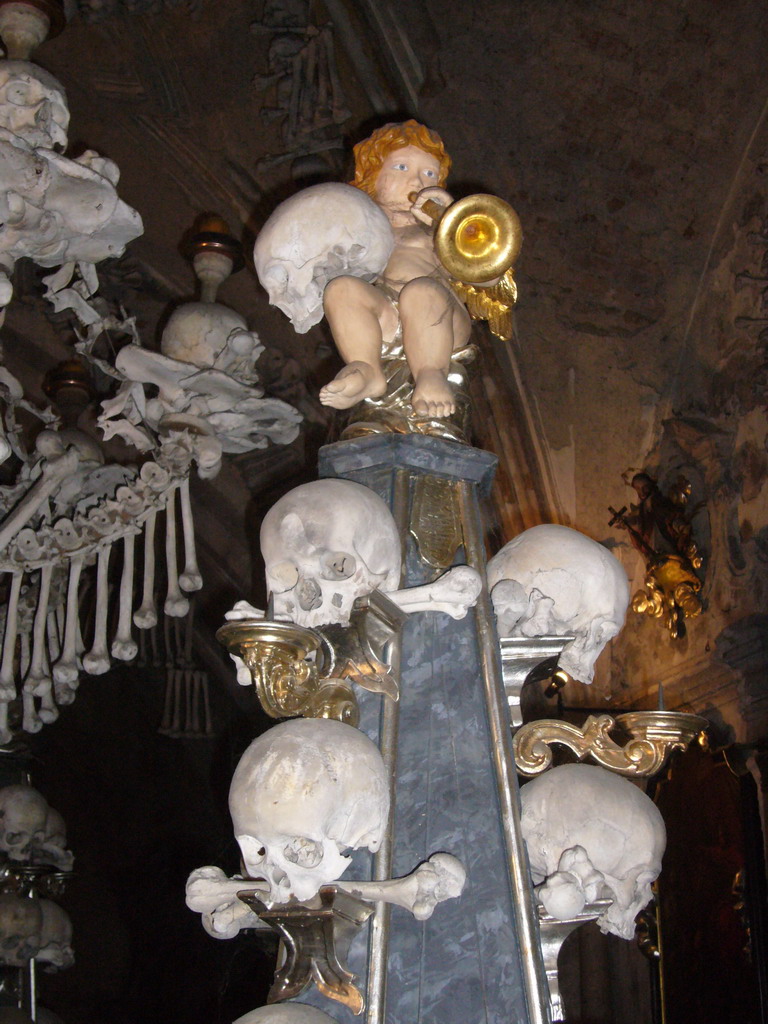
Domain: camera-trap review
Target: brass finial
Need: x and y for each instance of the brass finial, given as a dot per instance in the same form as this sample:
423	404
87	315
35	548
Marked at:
210	233
69	386
214	252
25	24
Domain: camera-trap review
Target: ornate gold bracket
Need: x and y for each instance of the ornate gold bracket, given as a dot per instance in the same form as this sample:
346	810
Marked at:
317	940
286	684
655	734
289	685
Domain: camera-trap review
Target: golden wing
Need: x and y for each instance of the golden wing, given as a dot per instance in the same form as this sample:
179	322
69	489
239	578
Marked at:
493	304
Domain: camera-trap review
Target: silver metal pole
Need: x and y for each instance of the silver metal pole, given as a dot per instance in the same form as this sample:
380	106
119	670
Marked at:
378	943
534	977
32	989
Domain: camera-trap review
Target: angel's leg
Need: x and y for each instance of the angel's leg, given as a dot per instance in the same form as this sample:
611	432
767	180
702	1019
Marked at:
359	316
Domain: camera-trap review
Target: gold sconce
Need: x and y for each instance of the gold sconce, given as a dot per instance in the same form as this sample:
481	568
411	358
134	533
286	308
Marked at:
654	735
297	670
286	683
660	528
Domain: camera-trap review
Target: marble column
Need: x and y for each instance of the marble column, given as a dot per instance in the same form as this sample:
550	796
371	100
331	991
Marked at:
475	961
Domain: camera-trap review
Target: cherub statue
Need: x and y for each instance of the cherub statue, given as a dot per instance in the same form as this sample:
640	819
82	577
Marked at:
412	300
373	308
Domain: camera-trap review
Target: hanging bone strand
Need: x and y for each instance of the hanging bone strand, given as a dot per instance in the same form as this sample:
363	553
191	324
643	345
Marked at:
65	671
55	471
123	646
145	615
190	579
176	604
96	661
30	721
52	631
38	681
48	710
7	678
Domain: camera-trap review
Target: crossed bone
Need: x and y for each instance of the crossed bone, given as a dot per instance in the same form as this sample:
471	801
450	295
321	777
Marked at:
455	592
211	893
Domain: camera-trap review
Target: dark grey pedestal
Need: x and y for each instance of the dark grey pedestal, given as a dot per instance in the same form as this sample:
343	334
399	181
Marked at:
464	965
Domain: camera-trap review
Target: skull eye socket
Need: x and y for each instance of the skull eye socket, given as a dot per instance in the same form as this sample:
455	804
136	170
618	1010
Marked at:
283	576
337	565
14	837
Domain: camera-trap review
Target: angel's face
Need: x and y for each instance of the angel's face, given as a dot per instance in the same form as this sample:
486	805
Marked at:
404	171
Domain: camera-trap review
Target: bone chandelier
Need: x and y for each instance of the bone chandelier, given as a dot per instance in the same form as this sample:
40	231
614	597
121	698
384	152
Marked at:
68	514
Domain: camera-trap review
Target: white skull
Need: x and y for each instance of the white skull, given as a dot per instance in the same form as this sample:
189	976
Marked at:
551	580
55	936
285	1013
209	334
304	792
324	544
33	104
23	813
592	834
321	233
21	921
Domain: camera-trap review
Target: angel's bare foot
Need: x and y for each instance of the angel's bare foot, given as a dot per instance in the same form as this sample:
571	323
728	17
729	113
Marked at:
432	394
356	381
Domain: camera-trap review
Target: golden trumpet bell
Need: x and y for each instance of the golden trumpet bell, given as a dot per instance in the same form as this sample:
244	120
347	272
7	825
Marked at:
478	238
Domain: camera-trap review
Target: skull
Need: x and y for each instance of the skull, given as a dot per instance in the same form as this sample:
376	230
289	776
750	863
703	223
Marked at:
285	1013
23	813
322	232
209	334
592	834
55	936
33	104
21	921
324	544
304	792
551	580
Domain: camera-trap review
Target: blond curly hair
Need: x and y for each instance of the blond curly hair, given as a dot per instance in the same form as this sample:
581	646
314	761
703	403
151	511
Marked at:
371	152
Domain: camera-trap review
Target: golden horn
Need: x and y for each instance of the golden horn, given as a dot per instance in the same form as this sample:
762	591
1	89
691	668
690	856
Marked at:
477	239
